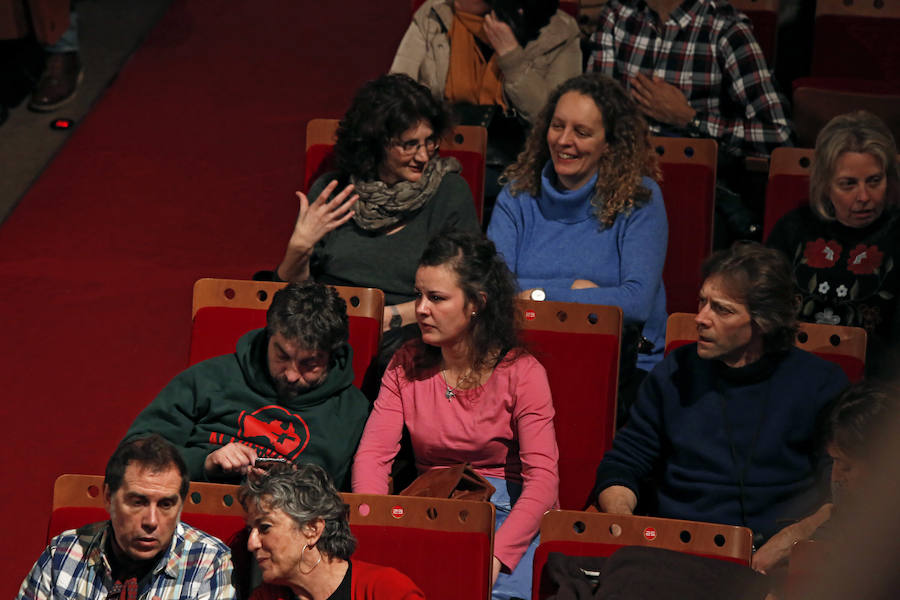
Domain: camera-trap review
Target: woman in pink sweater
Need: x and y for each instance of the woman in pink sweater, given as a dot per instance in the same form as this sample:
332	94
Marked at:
468	392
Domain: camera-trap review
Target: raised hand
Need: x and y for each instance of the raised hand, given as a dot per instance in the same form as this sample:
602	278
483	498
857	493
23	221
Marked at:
499	35
323	215
314	221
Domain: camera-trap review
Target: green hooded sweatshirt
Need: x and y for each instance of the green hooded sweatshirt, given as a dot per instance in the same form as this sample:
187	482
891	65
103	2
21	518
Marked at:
232	398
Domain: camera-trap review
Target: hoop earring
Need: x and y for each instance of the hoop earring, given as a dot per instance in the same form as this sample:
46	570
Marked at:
300	566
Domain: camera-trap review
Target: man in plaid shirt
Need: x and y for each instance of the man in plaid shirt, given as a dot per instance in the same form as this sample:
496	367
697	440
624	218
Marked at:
695	70
144	550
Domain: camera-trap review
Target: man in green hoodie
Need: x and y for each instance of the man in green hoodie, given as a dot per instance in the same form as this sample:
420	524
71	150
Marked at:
286	393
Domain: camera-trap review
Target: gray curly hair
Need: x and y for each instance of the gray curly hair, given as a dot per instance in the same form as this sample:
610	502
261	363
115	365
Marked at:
305	494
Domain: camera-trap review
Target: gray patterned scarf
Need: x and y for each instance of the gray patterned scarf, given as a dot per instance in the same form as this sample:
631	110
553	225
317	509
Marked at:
381	206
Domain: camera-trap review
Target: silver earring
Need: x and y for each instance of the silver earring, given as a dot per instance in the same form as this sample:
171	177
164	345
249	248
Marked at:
311	569
474	314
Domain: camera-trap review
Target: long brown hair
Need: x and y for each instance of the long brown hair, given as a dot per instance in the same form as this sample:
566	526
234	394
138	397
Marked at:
629	155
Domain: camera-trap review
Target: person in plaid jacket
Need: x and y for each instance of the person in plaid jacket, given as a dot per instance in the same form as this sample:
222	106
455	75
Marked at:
695	69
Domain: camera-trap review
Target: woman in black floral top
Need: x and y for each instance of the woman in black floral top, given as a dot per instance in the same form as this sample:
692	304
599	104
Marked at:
845	246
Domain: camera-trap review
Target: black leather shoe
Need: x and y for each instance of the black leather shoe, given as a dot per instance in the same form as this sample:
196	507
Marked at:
58	84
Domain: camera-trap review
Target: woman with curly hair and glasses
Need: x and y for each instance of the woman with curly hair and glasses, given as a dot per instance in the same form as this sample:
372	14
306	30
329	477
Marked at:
844	244
370	220
582	218
299	533
468	392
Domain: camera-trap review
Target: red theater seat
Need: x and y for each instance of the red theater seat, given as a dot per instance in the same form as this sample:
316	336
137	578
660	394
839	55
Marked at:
444	546
226	309
819	99
844	346
689	191
466	143
788	185
600	534
856	39
578	345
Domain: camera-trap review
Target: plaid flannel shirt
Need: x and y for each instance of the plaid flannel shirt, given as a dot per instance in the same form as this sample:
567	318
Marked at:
74	565
707	50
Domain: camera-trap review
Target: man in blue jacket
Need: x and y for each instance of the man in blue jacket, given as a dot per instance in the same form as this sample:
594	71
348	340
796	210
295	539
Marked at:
728	424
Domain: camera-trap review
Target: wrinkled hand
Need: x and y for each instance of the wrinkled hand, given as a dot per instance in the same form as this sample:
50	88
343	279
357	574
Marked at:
499	35
661	101
526	294
230	458
773	552
323	215
583	284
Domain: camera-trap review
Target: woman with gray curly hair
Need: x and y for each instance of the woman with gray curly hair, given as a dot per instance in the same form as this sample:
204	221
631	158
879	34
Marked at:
845	244
300	535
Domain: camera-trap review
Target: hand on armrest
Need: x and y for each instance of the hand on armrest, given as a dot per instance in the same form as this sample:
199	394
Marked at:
617	500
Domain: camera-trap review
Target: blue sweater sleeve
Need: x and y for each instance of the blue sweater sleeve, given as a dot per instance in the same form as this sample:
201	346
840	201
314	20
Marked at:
642	256
504	228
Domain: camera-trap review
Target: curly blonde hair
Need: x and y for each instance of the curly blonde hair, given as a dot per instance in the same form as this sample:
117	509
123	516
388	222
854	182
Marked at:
629	155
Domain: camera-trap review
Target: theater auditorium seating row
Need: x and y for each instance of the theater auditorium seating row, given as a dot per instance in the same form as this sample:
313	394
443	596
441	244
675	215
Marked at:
599	534
411	534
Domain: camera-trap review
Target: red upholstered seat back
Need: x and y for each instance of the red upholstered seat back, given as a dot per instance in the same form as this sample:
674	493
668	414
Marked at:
216	330
788	185
689	197
473	172
856	47
319	160
444	546
784	193
446	565
583	373
853	367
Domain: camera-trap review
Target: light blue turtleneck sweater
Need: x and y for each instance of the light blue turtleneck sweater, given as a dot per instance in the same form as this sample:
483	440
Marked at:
552	240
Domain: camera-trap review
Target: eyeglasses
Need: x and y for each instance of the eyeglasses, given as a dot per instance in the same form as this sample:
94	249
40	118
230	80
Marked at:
411	147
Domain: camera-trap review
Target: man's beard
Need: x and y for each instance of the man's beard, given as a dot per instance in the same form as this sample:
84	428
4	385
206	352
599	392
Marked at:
289	391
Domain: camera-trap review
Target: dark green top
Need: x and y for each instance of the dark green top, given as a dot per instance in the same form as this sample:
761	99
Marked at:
232	398
352	256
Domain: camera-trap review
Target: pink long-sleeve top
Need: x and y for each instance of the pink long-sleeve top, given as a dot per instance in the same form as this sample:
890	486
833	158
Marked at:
504	428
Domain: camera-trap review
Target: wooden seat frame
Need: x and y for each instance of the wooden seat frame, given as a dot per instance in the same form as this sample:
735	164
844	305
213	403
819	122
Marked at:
238	293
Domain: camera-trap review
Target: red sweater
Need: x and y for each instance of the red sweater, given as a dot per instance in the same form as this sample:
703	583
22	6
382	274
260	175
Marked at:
367	582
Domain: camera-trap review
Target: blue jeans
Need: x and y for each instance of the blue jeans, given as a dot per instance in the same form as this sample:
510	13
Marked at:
518	583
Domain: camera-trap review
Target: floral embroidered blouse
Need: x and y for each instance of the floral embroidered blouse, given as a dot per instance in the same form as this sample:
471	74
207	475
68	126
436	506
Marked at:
847	276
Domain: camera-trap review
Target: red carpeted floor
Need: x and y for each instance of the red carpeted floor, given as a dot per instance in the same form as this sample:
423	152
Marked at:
185	168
